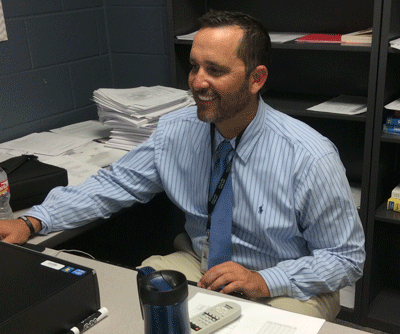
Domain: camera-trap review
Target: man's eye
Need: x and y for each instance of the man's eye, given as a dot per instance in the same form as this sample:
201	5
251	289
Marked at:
215	71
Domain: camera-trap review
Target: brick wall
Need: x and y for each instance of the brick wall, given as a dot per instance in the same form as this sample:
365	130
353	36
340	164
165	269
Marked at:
58	52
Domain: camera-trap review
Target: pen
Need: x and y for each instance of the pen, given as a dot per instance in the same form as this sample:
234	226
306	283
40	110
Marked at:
89	321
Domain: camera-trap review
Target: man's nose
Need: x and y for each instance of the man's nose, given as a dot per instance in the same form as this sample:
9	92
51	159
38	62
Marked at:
199	80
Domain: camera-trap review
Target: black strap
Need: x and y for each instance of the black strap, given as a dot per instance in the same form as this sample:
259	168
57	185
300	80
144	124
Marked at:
212	201
29	223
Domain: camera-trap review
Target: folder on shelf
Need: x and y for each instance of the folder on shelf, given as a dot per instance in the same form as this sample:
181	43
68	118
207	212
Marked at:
320	38
357	37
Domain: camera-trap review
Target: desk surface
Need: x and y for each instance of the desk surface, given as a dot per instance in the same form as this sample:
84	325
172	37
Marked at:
118	292
54	239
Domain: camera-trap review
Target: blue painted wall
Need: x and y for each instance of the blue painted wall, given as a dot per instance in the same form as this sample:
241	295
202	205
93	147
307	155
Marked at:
58	52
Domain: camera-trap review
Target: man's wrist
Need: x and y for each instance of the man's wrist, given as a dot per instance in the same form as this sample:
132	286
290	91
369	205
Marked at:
33	224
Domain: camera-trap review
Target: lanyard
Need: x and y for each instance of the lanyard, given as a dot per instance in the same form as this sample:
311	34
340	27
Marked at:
212	201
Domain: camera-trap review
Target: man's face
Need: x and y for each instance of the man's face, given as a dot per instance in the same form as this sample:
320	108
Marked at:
217	78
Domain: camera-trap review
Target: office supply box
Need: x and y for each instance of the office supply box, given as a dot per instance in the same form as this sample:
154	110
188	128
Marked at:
41	294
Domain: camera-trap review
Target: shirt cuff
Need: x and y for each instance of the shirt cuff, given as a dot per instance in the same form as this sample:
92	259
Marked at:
277	281
40	213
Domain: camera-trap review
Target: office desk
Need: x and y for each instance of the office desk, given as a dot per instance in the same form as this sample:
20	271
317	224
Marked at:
118	292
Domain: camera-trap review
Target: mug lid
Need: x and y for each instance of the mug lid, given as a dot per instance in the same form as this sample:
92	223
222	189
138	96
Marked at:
163	288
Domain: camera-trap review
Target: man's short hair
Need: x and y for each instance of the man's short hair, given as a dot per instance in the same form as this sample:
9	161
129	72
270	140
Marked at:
254	48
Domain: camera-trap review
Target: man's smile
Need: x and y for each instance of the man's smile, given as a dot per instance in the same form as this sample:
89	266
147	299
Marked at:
206	98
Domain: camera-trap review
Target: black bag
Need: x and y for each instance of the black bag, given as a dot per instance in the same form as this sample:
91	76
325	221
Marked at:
31	180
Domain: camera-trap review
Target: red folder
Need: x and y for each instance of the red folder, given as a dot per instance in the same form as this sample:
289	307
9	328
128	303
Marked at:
320	38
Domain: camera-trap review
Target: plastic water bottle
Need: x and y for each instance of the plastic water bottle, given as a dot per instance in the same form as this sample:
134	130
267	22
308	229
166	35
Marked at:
5	209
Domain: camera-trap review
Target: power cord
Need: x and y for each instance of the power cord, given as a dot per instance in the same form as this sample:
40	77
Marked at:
74	251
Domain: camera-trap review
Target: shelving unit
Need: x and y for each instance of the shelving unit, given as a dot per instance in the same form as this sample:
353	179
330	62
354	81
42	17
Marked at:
302	75
381	284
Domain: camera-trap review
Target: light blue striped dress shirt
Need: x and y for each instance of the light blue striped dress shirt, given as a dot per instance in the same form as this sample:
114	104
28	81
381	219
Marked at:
294	219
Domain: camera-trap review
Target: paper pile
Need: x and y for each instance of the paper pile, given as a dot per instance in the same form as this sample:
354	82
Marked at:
395	43
343	104
133	113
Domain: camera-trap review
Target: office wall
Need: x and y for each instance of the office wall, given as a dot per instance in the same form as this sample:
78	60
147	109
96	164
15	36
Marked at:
138	42
58	52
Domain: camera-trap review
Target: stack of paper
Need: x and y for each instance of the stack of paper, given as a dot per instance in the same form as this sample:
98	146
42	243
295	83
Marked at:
343	104
395	43
358	37
394	105
133	113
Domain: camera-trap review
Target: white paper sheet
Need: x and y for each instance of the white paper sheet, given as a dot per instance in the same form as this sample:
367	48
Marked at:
258	318
394	105
78	171
282	37
95	154
343	104
187	37
4	155
3	31
46	143
395	43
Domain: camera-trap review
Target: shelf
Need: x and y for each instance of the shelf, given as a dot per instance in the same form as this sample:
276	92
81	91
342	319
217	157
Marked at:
386	308
393	50
382	214
293	45
322	46
182	41
296	104
390	138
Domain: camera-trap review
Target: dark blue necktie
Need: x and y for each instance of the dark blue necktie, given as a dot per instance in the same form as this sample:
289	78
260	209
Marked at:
221	217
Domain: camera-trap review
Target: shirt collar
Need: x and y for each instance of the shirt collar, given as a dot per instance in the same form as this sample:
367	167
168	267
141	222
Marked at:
250	136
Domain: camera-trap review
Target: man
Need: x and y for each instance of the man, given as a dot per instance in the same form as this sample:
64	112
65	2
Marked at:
296	235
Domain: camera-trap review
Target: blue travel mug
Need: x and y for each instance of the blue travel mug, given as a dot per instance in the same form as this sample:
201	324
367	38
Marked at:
164	301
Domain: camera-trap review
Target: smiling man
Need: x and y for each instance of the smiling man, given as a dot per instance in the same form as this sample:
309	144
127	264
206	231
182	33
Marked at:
292	236
225	93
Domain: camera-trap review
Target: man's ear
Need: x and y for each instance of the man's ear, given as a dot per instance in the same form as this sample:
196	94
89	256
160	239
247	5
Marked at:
258	78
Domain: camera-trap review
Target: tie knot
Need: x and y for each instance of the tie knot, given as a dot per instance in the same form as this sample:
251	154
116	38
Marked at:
224	149
221	156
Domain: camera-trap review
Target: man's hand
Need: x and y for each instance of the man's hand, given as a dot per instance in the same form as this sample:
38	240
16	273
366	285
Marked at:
16	231
234	277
